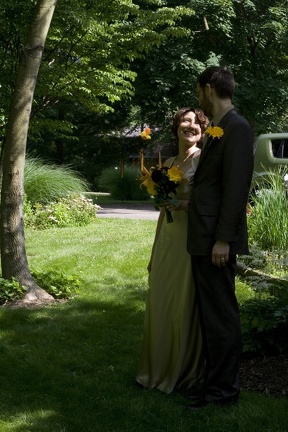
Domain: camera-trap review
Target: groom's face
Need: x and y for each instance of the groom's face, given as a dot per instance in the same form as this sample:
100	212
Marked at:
204	100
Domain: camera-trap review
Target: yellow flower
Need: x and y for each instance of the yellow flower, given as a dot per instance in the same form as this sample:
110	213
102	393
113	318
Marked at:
214	131
175	174
150	186
146	134
147	181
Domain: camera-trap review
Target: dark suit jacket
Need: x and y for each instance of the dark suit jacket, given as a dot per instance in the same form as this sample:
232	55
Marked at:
217	208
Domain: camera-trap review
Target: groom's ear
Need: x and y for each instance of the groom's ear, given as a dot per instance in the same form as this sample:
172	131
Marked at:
208	89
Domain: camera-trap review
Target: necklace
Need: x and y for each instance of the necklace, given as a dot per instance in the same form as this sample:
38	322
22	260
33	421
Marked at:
188	158
182	163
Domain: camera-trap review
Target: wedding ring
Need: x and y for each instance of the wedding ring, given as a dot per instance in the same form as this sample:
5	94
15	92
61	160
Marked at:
222	259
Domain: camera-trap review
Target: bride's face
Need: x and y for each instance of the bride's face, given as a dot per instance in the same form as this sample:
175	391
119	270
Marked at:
189	130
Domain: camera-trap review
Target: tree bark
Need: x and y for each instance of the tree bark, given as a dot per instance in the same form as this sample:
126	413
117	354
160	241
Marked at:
13	253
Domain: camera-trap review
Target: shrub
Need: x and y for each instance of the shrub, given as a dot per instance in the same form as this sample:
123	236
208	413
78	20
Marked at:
268	221
56	283
264	303
263	313
10	290
257	257
44	183
123	188
264	324
67	212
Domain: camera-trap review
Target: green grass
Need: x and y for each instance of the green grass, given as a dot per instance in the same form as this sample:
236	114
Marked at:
71	367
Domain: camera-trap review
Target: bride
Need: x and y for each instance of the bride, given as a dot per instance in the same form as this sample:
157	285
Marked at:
172	357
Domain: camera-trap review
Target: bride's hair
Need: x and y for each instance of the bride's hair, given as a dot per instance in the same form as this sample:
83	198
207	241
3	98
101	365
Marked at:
201	118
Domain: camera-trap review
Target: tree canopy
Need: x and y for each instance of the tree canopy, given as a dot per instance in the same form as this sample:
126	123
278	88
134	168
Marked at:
111	66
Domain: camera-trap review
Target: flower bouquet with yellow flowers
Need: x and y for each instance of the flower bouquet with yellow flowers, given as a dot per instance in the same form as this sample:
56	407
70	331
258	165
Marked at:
160	182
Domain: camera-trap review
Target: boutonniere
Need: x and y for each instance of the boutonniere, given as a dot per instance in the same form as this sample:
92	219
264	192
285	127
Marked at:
214	131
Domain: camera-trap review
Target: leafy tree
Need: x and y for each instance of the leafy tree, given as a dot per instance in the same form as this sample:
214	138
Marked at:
252	38
88	54
86	62
249	36
13	254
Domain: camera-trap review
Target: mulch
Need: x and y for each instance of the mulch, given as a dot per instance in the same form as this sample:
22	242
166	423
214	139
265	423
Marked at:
265	374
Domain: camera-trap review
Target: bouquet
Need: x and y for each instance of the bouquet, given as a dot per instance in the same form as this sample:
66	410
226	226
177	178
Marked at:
160	182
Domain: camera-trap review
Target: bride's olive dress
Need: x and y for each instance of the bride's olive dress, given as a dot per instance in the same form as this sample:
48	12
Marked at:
172	357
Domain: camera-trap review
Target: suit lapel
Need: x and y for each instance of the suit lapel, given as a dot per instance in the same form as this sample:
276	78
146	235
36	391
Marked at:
205	150
208	143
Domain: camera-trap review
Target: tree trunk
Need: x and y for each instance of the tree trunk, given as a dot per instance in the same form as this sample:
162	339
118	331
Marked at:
13	253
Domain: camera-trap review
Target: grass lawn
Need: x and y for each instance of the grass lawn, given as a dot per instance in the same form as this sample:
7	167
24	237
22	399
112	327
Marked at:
71	367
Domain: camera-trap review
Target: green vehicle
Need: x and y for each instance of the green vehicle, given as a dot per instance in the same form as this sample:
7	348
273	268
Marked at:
271	152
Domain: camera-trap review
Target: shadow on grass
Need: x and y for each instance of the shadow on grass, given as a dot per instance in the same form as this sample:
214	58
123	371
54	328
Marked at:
70	368
65	365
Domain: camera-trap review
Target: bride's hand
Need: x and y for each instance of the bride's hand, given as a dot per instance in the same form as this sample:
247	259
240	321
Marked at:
175	205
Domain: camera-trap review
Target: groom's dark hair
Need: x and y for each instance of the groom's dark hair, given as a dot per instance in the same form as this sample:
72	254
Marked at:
220	78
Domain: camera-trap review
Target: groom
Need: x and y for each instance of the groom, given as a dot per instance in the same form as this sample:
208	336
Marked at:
217	231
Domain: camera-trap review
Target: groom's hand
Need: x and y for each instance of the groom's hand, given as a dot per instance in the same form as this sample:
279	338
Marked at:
220	253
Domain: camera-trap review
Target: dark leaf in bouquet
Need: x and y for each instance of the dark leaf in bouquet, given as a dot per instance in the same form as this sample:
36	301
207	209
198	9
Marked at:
156	175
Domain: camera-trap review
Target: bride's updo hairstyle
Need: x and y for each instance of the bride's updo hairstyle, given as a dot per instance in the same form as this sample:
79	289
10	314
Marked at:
201	119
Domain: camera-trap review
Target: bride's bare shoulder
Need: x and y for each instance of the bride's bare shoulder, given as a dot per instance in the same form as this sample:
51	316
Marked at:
168	162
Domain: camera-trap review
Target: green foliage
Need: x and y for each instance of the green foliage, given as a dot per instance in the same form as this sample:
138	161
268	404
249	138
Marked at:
268	221
243	292
57	283
264	308
125	63
10	290
44	182
75	210
264	324
126	187
88	52
257	258
253	31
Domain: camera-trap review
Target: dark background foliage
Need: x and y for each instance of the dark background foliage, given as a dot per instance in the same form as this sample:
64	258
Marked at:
109	69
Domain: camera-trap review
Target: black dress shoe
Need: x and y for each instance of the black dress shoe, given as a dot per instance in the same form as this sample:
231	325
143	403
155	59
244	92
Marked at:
197	404
201	403
197	391
139	385
196	396
233	400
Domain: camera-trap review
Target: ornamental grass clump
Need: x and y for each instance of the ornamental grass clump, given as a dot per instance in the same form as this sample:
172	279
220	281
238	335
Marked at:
268	221
45	183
